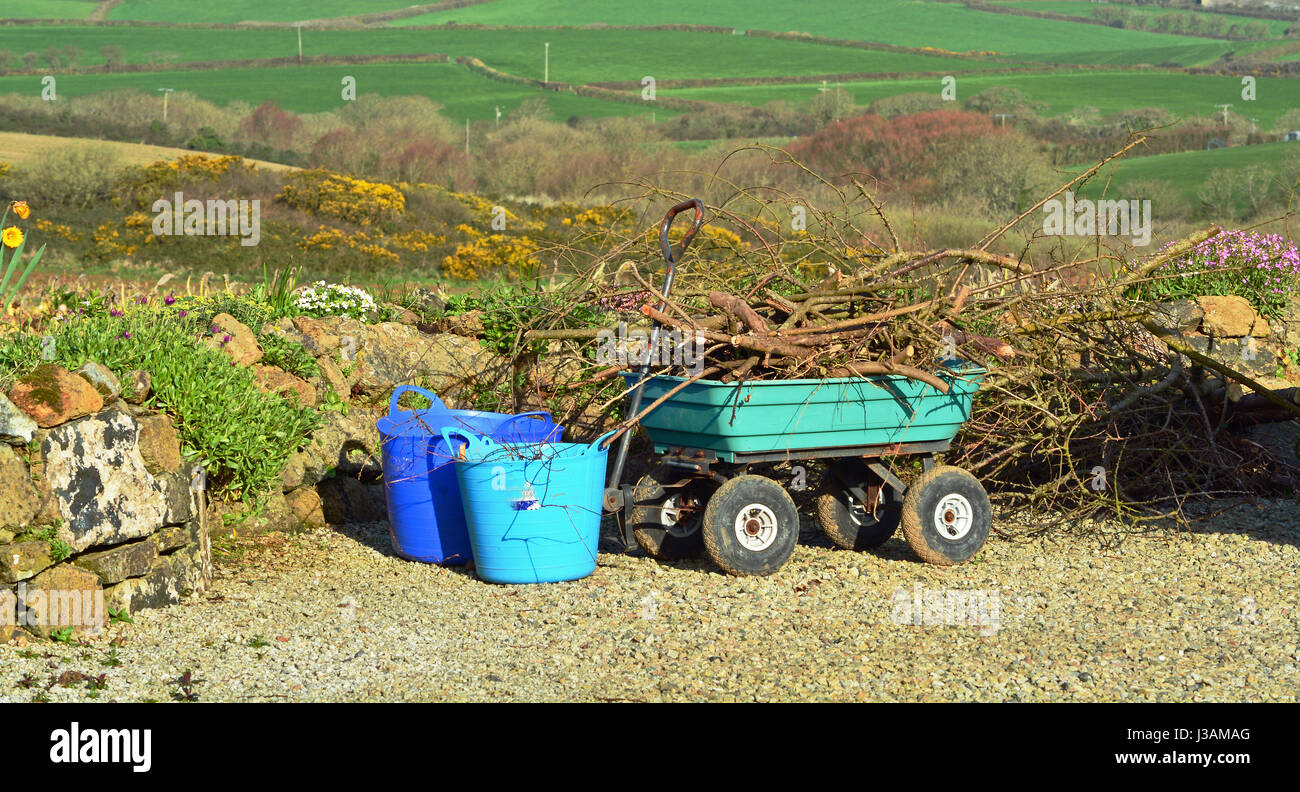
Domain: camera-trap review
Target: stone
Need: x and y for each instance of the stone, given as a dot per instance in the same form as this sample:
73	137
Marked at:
292	476
1227	316
347	500
65	596
19	499
160	445
179	496
315	337
102	379
158	588
118	563
343	444
391	354
402	315
191	568
240	517
334	377
99	481
242	346
52	395
16	427
1244	354
1178	315
6	536
136	386
1261	328
22	560
271	379
307	508
177	536
426	300
468	324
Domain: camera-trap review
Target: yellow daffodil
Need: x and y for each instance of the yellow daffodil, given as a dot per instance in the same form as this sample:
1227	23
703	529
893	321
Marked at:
11	237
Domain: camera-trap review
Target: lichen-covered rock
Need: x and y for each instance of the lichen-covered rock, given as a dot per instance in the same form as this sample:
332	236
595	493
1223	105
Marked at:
314	336
334	377
52	395
1227	316
19	499
347	500
97	476
65	596
160	445
1178	315
177	536
157	588
343	444
179	496
306	506
22	560
276	380
118	563
16	427
101	379
136	386
235	339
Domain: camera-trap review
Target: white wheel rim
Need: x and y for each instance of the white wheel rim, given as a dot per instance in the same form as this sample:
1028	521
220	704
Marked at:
953	517
756	527
854	509
670	517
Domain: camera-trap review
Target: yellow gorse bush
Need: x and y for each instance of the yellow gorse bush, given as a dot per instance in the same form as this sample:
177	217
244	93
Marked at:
321	192
493	253
58	229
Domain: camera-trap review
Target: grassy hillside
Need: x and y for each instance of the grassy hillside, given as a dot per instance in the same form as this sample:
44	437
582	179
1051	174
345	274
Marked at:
19	148
46	9
907	22
229	11
1186	170
462	93
1084	9
1108	92
577	56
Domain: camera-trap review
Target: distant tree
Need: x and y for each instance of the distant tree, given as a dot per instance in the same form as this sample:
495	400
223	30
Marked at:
831	105
52	57
270	125
31	60
72	54
6	58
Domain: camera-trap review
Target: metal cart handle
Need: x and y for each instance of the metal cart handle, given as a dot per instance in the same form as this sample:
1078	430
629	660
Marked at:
634	400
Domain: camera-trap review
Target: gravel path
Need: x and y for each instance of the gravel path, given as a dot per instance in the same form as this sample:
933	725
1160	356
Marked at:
332	615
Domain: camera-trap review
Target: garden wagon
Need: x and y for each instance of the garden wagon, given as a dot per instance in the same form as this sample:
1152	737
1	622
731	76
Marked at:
701	495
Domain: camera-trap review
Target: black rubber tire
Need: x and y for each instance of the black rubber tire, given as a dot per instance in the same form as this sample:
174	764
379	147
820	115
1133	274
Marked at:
659	541
770	507
846	523
920	520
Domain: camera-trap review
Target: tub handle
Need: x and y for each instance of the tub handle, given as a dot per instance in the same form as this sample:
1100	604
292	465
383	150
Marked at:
434	402
471	440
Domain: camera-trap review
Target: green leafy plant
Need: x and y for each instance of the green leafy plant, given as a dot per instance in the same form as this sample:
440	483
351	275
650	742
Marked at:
279	351
111	659
120	616
62	635
257	642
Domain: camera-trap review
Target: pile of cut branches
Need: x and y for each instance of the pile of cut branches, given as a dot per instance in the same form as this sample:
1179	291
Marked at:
1091	407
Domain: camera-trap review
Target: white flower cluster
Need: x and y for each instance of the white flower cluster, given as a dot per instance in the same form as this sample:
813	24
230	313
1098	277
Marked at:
335	299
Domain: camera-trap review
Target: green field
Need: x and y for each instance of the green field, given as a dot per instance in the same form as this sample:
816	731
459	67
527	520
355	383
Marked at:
908	22
229	11
46	9
577	56
1109	92
462	93
1186	170
1083	8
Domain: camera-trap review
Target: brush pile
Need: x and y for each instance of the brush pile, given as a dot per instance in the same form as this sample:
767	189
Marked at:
1092	405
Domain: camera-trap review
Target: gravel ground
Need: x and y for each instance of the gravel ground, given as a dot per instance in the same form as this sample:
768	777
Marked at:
333	615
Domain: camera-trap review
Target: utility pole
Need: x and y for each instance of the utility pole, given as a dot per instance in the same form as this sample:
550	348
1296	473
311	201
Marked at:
299	26
1224	108
165	91
836	112
1002	118
546	69
498	116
